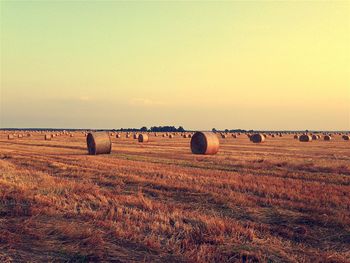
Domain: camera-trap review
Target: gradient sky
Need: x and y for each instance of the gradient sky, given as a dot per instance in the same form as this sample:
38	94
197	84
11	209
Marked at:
108	64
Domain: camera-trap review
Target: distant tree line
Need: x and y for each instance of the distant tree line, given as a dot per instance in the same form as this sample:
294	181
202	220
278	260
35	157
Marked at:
167	129
154	129
234	130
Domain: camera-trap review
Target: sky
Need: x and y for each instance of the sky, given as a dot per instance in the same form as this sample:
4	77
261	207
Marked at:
263	65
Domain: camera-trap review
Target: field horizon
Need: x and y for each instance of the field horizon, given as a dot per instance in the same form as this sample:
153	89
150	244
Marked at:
277	201
185	130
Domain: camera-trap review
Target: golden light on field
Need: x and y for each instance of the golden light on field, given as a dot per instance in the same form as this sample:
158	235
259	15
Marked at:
196	64
159	202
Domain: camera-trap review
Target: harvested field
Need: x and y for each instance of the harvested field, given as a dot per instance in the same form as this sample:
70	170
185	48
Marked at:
280	201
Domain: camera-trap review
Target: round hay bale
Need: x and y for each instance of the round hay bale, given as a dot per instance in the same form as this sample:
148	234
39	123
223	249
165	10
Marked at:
20	136
189	136
224	136
127	135
296	136
48	137
29	135
171	136
234	136
305	138
257	138
135	136
10	137
99	143
205	143
71	135
143	138
118	136
346	137
327	138
314	137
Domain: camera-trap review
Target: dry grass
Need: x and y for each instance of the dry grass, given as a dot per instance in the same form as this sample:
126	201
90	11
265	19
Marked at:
281	201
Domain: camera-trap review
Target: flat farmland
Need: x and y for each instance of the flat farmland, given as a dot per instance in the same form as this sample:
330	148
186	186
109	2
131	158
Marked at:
277	201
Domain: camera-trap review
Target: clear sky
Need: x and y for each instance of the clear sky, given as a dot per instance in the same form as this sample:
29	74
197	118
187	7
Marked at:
109	64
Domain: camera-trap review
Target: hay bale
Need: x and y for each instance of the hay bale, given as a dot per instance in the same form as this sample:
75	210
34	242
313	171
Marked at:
224	136
296	136
171	136
314	137
29	135
205	143
143	138
327	138
118	136
346	137
20	136
99	143
127	135
135	136
48	137
10	137
257	138
305	138
234	136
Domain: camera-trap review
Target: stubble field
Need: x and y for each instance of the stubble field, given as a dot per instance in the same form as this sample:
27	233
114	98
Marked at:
278	201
